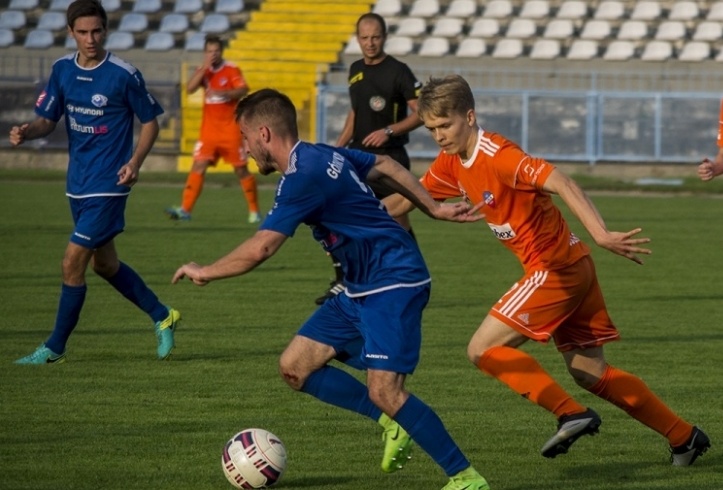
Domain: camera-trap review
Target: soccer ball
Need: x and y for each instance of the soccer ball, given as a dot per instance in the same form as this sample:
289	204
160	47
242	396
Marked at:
253	458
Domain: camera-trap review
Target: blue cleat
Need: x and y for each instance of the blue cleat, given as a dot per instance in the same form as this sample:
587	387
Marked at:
42	355
164	333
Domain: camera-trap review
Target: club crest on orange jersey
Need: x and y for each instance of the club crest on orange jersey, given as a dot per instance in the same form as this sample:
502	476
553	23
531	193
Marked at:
488	198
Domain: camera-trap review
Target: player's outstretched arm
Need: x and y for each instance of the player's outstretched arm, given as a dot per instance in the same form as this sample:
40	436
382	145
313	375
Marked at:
243	259
622	243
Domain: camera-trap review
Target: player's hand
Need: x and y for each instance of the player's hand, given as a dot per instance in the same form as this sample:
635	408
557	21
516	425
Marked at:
625	244
706	170
17	134
192	271
128	175
459	212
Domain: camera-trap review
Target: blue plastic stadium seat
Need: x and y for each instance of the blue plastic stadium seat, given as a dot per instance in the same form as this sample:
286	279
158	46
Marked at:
7	38
159	41
133	22
188	6
174	23
215	23
119	41
195	42
13	19
39	39
52	21
111	5
70	43
147	6
23	4
229	6
61	5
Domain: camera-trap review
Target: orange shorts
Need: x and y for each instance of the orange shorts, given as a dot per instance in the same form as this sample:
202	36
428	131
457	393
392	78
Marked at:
566	305
213	149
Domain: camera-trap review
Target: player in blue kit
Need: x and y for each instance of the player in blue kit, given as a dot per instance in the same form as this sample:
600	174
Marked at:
99	94
387	283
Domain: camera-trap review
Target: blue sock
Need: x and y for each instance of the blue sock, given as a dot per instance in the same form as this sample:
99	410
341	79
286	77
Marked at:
339	388
130	285
71	302
427	430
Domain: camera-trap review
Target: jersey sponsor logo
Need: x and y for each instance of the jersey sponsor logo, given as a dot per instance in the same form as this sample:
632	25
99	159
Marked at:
574	240
377	103
86	129
376	356
41	98
84	237
489	199
503	232
86	111
524	318
99	100
84	79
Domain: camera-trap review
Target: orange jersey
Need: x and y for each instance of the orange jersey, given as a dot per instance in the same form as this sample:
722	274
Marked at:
720	126
219	112
521	215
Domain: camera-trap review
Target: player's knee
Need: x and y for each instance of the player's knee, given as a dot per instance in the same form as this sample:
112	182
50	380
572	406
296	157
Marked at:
291	374
584	379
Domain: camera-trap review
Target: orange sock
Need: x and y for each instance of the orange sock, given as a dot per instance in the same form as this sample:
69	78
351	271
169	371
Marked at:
194	186
631	394
248	184
524	375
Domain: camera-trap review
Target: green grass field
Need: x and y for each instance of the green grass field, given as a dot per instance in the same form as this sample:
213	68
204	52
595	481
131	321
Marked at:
113	417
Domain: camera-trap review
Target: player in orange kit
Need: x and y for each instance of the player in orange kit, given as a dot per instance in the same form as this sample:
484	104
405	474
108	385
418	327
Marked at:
558	297
224	85
709	169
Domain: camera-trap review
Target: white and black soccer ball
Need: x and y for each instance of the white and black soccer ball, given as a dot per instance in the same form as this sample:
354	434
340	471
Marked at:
253	458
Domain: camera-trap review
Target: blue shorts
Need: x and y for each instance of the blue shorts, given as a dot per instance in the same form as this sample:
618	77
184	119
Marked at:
381	331
97	220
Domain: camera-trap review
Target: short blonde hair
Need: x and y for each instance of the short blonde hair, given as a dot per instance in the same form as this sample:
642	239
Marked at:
441	97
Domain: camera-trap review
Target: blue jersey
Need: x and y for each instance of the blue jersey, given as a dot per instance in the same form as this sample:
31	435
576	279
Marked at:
99	105
324	188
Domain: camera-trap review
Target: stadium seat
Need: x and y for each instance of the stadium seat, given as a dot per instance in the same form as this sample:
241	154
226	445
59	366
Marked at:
609	10
424	8
596	29
508	49
13	19
535	9
572	9
434	46
521	28
147	6
388	8
670	30
215	23
133	22
485	28
619	51
173	23
708	31
447	27
657	51
229	6
23	4
411	26
633	29
7	38
545	49
498	9
462	8
188	6
715	12
583	49
52	21
70	43
695	51
39	39
719	56
471	48
111	6
60	5
684	11
352	46
159	41
646	11
195	41
119	41
399	45
559	29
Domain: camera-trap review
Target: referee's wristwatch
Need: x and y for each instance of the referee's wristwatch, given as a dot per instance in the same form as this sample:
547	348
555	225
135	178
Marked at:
388	131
